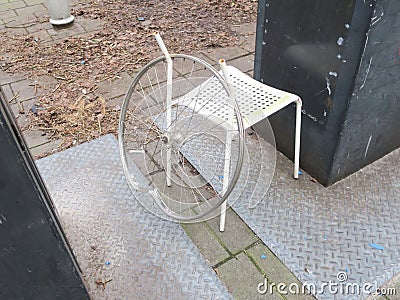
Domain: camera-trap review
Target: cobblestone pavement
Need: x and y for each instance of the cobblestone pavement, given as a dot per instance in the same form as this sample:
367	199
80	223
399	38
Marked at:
238	256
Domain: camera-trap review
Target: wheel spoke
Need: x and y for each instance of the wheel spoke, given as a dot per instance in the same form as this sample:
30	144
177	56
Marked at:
144	137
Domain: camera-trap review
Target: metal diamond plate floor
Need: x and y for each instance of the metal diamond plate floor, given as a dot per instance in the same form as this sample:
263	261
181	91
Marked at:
318	232
124	251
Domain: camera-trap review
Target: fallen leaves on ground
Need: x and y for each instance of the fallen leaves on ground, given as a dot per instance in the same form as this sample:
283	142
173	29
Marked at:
72	109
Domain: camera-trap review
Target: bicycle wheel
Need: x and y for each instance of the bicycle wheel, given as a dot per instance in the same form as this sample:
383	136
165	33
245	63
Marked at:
176	148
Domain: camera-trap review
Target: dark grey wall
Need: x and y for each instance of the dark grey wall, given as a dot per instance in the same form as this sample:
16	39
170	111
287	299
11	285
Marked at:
322	51
35	259
372	122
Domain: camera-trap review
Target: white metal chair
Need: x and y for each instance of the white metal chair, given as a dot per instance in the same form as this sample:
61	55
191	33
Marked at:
156	115
256	102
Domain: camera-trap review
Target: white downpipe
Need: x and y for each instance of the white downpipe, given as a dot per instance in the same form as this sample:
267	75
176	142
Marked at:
59	11
228	143
169	100
297	139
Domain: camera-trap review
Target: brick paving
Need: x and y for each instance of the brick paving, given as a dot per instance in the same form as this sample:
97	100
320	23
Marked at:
30	17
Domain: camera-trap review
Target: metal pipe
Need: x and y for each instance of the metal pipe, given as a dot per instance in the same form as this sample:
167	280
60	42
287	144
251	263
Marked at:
297	139
162	46
169	100
228	142
59	11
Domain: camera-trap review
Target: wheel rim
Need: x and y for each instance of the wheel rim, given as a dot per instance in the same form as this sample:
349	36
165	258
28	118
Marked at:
144	138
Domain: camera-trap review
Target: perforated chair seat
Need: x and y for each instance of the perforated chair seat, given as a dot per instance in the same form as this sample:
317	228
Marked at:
256	100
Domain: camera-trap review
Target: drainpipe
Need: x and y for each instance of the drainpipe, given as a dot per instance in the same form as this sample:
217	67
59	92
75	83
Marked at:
59	12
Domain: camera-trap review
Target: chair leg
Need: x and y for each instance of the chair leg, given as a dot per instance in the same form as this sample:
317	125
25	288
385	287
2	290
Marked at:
225	179
169	119
228	144
222	217
169	100
297	139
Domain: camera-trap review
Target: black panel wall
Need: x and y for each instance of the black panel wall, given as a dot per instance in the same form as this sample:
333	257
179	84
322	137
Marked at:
342	58
35	259
371	126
